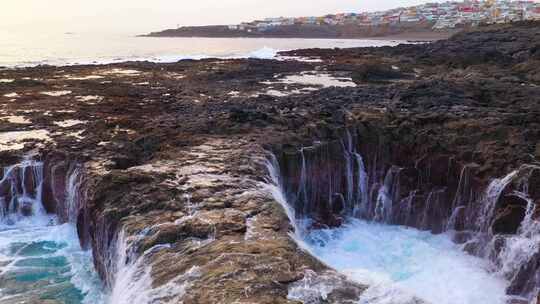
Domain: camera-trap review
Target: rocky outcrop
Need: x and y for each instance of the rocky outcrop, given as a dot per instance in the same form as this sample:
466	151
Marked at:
366	172
202	224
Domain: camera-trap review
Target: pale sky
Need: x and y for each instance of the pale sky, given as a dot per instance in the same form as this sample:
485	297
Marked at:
141	16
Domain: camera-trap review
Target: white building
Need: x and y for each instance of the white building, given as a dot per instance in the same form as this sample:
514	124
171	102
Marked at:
532	13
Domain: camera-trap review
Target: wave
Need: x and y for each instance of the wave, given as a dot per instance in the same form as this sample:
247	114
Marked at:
262	53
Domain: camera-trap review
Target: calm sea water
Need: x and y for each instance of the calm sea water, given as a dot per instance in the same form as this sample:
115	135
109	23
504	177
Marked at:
19	49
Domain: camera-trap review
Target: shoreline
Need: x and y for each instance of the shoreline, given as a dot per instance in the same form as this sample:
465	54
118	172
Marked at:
279	44
407	36
166	59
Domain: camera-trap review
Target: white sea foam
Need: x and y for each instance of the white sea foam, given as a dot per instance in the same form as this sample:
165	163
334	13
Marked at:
88	77
314	78
12	95
264	53
56	93
38	229
100	48
90	99
400	263
84	276
69	123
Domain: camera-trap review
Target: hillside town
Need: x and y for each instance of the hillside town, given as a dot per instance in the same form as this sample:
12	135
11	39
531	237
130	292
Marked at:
446	15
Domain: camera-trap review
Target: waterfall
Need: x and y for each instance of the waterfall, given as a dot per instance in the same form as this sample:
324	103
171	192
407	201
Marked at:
529	227
357	198
385	198
348	155
127	273
452	221
406	209
131	275
521	247
347	184
493	192
21	189
274	186
41	253
425	216
362	205
338	248
464	194
521	251
301	194
73	194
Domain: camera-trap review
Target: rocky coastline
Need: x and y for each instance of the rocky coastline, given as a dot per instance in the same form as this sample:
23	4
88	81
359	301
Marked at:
422	31
170	160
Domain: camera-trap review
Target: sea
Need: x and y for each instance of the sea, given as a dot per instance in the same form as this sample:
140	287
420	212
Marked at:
72	48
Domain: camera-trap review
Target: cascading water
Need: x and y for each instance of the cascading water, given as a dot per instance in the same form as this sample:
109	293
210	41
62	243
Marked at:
275	187
131	276
40	258
362	186
398	261
22	186
386	196
493	192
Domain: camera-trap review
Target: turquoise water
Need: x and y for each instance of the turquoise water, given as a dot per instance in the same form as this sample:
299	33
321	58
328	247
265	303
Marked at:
41	262
400	263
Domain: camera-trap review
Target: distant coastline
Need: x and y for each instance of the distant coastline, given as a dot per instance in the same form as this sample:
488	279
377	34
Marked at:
418	31
430	21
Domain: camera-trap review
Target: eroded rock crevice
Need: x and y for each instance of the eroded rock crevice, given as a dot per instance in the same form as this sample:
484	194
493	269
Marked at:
52	183
366	172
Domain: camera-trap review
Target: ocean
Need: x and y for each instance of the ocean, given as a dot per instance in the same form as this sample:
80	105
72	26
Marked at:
22	50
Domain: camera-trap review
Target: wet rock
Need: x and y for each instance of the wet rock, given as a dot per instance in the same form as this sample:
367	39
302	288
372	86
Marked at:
345	295
509	215
123	162
327	288
55	174
147	146
376	72
523	282
518	301
26	209
244	116
462	237
534	184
